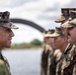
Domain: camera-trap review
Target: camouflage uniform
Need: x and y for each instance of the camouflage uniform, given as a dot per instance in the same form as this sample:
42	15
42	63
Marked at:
49	58
54	58
44	60
66	64
70	24
4	66
5	22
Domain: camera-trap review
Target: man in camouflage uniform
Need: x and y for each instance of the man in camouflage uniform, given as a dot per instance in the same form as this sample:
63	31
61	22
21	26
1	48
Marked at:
6	35
45	53
67	66
68	27
61	42
53	55
72	39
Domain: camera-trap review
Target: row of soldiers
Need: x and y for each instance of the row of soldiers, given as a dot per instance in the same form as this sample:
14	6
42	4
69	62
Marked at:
59	53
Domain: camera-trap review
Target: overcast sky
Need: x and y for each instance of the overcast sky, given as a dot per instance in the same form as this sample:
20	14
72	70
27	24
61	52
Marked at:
41	12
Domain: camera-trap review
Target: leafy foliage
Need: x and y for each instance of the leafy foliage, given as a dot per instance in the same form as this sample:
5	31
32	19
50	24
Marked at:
33	44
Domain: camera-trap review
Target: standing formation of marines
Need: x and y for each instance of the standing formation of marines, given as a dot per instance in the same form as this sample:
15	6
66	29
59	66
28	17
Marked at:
61	49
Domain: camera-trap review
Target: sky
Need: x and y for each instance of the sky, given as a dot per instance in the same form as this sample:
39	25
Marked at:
42	12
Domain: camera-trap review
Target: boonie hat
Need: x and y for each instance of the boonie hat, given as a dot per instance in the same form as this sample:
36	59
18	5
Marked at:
5	21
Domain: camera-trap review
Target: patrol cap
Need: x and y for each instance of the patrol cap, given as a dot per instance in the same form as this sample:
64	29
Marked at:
57	32
49	32
65	14
60	19
72	23
65	25
5	20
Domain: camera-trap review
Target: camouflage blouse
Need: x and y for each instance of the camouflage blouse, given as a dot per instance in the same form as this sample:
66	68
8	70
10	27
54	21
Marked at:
4	66
67	63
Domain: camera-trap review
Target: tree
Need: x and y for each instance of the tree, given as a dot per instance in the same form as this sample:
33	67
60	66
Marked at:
36	42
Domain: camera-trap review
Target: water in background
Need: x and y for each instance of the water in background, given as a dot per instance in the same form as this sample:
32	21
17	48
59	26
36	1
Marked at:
24	62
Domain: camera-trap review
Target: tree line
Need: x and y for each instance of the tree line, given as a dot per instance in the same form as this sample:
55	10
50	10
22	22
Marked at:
33	44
